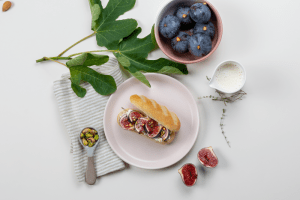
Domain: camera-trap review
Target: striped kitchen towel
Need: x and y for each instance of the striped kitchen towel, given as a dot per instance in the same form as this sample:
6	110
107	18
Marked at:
78	113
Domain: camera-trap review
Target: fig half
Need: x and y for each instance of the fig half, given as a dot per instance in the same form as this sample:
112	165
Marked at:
188	173
134	116
156	131
165	133
207	157
125	123
140	124
150	125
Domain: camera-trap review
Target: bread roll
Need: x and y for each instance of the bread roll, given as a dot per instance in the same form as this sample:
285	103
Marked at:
157	112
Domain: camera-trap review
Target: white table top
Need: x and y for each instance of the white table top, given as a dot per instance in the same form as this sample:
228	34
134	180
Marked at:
263	129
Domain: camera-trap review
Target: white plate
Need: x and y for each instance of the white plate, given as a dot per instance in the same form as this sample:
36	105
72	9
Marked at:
140	151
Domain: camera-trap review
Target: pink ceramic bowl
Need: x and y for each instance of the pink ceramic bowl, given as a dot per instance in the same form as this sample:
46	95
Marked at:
168	8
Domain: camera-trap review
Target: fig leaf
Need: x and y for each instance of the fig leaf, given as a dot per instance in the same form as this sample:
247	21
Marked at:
79	91
96	10
106	27
153	37
170	70
103	84
141	77
136	50
88	59
121	38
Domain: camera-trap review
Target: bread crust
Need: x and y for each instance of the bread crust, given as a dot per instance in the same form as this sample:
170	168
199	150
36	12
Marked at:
124	111
156	111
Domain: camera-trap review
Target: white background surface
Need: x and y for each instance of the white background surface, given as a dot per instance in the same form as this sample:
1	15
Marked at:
263	129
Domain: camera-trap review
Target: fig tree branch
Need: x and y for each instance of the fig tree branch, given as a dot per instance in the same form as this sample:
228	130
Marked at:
76	44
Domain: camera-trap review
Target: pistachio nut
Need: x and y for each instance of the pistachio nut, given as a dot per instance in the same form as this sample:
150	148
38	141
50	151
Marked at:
84	142
88	135
81	135
92	140
90	144
96	137
86	130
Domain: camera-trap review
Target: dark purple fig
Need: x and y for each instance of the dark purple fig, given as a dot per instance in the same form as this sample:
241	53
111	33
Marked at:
150	125
207	157
125	123
165	133
134	116
140	124
156	131
188	174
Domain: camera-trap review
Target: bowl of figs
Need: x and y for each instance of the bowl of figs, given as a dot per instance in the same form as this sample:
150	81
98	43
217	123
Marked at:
188	31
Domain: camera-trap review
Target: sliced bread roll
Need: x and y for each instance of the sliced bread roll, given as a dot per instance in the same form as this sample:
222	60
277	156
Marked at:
157	112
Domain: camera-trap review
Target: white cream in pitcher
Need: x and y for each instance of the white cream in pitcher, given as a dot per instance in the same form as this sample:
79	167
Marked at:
229	77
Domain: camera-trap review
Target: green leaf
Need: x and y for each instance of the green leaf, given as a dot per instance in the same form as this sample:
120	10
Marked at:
113	31
108	29
135	46
153	37
88	59
103	84
96	10
155	65
135	50
124	61
144	65
79	91
170	70
140	77
93	2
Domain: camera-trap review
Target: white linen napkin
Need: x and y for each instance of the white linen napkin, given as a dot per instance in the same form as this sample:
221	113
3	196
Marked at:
78	113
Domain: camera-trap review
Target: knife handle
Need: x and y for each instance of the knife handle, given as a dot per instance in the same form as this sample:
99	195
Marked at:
90	176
